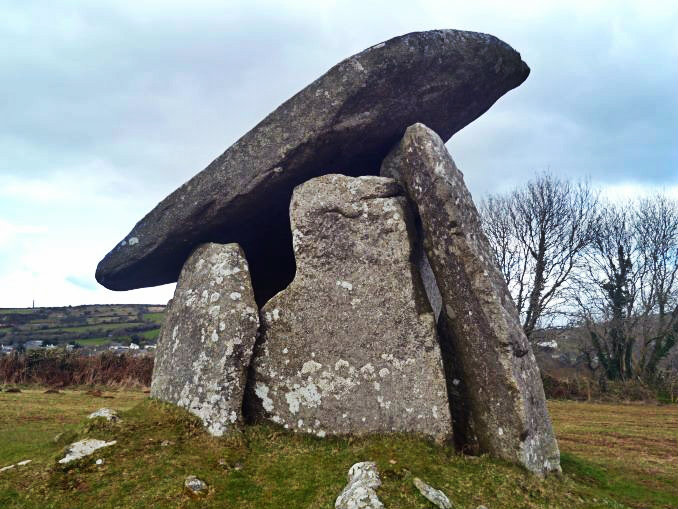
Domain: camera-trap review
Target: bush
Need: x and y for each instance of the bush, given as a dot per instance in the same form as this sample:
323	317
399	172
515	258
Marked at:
586	389
578	388
58	368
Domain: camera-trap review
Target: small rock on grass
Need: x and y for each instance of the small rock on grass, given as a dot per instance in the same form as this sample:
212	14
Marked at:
19	464
363	479
436	497
106	413
196	487
84	448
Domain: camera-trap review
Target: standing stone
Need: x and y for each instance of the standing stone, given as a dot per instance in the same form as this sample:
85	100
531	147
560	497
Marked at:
350	346
479	320
206	342
348	118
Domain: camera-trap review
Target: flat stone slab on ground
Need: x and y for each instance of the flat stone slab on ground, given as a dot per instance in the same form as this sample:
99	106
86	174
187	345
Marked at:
82	448
436	497
104	413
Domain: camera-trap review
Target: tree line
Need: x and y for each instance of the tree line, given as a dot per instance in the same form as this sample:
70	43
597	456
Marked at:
608	269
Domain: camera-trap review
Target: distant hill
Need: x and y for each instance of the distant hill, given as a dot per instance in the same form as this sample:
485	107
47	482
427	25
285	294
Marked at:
559	352
97	327
92	327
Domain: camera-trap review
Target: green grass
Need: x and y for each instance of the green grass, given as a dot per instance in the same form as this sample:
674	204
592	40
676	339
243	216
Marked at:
627	451
97	327
150	335
267	467
30	419
65	324
154	317
616	483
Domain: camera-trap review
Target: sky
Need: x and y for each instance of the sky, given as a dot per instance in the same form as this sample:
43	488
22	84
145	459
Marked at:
107	107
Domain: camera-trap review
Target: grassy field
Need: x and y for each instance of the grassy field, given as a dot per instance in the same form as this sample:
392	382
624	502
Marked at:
155	317
614	456
89	326
628	451
151	335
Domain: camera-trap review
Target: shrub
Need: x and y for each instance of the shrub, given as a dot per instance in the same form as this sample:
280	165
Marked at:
585	389
59	368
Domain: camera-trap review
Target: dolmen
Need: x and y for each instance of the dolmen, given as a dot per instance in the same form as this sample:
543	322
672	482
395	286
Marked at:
332	273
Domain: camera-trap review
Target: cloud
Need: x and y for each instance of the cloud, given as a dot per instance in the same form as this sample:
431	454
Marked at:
9	231
83	282
626	192
109	106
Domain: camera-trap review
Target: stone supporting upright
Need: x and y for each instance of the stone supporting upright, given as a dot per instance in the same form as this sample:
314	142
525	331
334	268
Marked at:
479	323
206	342
351	346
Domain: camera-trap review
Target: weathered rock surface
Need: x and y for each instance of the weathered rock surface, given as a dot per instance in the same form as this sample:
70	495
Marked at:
19	464
350	346
195	487
105	413
206	342
348	118
363	479
500	376
436	497
82	448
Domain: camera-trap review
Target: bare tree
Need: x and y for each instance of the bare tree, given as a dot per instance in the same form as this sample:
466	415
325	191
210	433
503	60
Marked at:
605	291
627	292
656	228
538	233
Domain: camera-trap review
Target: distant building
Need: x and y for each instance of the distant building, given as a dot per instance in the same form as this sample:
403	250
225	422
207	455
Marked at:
33	344
6	349
133	346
